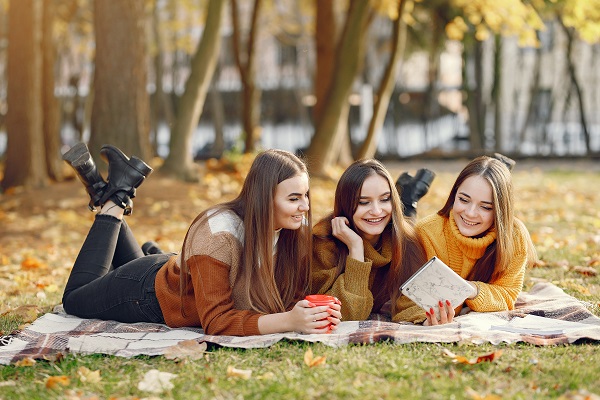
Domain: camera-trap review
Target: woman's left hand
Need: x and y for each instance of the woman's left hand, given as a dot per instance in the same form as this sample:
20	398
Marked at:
446	314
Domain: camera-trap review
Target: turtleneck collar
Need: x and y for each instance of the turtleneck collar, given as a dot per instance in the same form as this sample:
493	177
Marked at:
470	246
380	259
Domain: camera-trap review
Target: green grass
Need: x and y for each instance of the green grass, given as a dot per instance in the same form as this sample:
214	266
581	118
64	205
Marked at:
561	210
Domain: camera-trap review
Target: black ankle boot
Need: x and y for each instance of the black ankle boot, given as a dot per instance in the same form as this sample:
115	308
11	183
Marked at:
413	189
124	176
151	248
80	159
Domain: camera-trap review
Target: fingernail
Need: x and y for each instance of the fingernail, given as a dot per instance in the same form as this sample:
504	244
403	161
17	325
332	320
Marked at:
427	313
448	302
440	303
431	311
311	304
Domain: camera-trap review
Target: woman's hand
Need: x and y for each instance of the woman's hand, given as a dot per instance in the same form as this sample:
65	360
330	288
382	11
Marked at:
306	318
341	230
446	314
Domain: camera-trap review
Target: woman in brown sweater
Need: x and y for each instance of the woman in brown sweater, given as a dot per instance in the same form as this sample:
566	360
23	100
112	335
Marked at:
243	268
365	249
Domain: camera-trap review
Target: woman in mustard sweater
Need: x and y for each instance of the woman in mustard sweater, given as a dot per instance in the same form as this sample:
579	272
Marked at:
365	249
243	268
477	235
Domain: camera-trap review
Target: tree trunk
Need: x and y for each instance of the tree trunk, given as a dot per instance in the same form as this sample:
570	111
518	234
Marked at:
121	108
179	163
534	89
51	112
497	94
386	87
576	86
326	43
25	164
246	67
322	152
473	81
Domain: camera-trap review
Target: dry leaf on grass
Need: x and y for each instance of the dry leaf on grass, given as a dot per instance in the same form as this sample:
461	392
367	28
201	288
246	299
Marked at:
156	381
233	372
311	360
25	362
54	381
476	396
189	349
28	313
86	375
30	263
463	360
586	271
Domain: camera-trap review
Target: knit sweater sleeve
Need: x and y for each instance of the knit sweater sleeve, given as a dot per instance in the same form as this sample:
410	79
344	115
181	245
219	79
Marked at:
214	301
502	293
351	287
408	311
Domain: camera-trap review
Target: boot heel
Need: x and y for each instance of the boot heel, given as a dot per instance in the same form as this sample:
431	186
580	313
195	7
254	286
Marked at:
75	153
140	165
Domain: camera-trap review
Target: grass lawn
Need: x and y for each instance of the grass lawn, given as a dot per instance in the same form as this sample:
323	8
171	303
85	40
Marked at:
560	206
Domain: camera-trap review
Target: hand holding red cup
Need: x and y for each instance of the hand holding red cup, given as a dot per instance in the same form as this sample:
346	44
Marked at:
317	300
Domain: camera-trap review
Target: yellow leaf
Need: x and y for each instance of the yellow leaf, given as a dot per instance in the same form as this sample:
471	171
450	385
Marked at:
53	381
463	360
27	313
25	362
30	263
312	361
85	375
233	372
190	349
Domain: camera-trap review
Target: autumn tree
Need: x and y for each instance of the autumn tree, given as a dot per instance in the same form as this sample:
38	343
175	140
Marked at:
179	161
120	111
25	154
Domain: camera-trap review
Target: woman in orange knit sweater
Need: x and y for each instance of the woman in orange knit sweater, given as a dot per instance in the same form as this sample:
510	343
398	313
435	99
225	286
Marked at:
477	235
244	265
365	249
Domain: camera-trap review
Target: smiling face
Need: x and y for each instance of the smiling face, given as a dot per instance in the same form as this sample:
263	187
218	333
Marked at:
473	207
374	209
291	202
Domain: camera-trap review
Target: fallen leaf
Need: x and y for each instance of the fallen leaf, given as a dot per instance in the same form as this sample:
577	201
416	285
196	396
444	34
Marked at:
233	372
580	394
476	396
27	313
53	381
86	375
156	381
189	349
8	383
463	360
30	263
266	376
25	362
311	360
586	271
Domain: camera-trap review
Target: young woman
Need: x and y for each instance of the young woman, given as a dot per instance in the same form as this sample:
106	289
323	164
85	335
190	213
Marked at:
477	235
365	249
244	265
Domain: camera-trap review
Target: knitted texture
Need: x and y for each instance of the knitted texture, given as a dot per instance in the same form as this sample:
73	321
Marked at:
213	257
361	285
440	237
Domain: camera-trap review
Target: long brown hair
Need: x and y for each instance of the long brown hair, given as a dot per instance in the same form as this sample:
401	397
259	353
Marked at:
498	254
407	253
272	284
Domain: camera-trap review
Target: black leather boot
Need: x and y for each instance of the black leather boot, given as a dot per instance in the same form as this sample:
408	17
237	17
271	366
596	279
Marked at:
125	174
413	189
151	248
80	159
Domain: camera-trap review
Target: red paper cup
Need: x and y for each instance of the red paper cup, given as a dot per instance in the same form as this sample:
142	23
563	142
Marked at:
322	300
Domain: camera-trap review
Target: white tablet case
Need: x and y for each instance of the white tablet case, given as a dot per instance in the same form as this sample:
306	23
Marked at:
435	282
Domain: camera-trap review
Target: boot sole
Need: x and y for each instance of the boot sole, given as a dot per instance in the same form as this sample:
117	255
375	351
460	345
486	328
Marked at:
75	153
134	162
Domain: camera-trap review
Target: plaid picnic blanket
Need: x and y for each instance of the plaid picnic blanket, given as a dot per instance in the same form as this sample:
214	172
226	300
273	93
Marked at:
61	333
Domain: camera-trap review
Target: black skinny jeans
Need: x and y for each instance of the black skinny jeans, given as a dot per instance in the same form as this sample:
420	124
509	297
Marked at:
111	278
